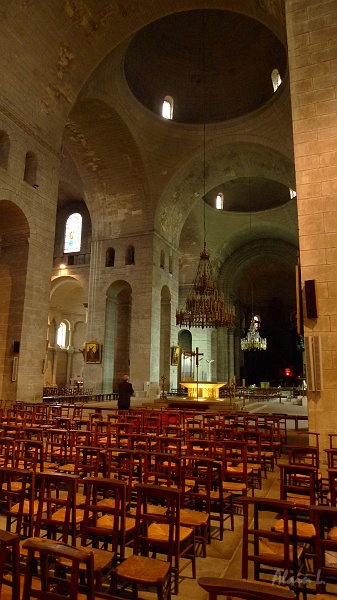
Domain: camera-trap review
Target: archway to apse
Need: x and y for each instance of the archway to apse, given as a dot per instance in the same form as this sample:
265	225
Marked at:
14	235
267	289
66	333
116	355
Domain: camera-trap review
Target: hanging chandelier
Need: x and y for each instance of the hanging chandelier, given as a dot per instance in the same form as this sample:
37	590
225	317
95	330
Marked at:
205	305
253	341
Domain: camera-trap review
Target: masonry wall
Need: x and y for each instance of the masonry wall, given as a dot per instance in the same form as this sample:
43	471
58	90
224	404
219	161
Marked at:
312	40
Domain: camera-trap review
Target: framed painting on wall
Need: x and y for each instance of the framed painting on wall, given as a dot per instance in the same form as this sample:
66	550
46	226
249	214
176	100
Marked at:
93	352
175	353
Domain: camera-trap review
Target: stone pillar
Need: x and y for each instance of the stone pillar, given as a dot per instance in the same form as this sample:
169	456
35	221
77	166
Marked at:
109	345
226	355
237	355
220	355
231	371
311	28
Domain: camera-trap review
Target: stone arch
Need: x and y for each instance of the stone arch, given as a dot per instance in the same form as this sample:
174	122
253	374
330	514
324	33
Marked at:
14	250
186	188
67	304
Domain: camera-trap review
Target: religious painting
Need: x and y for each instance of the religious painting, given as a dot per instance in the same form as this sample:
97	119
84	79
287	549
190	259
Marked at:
93	352
175	355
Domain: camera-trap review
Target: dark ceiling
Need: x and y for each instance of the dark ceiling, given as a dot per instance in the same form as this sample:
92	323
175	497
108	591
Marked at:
226	77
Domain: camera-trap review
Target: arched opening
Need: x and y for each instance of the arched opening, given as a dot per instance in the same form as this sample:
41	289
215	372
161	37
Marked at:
130	255
276	79
219	201
66	333
30	169
185	343
116	358
73	233
162	259
110	257
4	149
14	235
167	108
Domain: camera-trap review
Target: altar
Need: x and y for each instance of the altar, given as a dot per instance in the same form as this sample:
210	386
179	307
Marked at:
206	390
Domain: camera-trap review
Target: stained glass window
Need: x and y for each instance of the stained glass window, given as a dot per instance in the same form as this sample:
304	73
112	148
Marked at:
72	240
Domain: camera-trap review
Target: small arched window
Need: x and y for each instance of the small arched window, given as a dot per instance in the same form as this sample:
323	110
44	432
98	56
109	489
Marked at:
73	233
219	202
130	255
110	257
30	169
276	79
292	193
167	108
4	149
162	259
170	264
61	335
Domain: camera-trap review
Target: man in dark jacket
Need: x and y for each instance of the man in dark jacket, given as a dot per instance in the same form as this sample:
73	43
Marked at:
125	391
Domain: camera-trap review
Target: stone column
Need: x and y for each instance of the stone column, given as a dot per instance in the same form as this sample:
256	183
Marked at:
311	28
231	371
109	345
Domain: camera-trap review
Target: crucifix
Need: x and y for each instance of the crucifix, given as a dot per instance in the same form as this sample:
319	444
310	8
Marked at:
197	354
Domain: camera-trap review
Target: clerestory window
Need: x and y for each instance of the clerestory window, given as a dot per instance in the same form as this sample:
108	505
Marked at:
73	233
167	109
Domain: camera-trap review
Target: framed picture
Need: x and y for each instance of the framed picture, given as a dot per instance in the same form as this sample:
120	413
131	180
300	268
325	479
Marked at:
175	354
93	352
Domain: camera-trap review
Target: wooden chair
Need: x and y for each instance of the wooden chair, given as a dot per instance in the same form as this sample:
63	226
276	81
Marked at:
325	521
9	553
29	454
57	515
108	519
270	551
93	530
247	590
51	585
237	477
298	484
17	500
159	534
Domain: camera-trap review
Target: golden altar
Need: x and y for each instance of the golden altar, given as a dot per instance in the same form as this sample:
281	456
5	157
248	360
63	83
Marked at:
205	390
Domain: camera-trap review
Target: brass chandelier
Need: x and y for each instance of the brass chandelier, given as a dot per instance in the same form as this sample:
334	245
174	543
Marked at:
253	340
205	305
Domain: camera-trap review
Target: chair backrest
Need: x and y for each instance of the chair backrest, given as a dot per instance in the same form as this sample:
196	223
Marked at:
147	496
248	590
325	546
99	492
52	585
17	488
299	483
57	506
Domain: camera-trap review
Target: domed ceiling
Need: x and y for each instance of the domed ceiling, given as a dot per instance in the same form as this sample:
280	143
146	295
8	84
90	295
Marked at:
226	77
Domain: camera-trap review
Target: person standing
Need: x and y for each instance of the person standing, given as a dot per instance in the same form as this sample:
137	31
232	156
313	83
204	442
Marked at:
125	391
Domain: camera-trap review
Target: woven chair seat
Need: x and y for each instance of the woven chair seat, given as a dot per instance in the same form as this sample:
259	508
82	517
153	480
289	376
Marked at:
159	532
270	549
193	518
303	530
107	521
146	570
